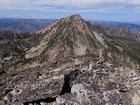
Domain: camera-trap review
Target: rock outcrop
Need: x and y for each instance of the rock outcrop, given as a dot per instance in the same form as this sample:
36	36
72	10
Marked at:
77	85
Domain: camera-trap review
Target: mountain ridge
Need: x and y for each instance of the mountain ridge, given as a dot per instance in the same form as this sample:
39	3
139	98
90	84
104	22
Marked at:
9	35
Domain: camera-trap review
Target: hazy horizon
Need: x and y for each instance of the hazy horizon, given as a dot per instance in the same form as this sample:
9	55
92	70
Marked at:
108	10
136	22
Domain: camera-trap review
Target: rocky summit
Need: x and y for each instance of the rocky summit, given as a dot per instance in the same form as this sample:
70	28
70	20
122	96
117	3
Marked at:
71	62
67	37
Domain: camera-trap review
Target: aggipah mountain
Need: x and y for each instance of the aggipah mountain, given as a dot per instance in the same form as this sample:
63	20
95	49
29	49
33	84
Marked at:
70	62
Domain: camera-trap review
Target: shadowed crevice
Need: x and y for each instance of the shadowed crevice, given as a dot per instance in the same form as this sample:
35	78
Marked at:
68	81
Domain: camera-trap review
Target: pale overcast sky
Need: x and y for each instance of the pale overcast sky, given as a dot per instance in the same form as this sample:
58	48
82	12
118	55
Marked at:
113	10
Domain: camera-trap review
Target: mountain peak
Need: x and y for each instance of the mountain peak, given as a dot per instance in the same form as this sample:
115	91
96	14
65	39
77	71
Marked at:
68	37
75	17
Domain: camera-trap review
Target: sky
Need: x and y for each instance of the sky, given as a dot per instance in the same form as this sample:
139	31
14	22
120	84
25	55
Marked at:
110	10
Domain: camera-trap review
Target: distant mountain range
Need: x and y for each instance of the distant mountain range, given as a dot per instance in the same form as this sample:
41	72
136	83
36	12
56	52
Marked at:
138	23
24	25
113	24
33	25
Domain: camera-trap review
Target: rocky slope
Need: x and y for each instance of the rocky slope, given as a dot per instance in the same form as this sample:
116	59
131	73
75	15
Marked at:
119	29
71	37
71	62
80	84
124	33
13	46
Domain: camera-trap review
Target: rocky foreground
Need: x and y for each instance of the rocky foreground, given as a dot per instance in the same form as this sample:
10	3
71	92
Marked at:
78	83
